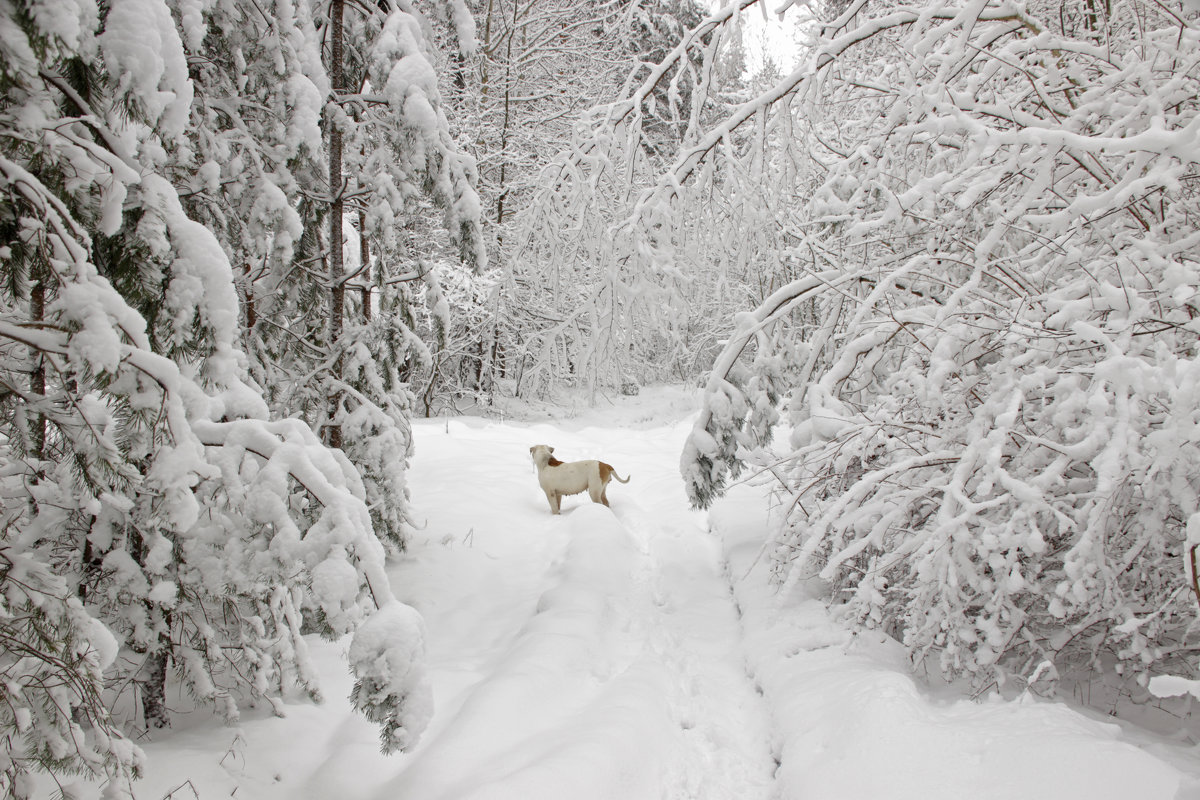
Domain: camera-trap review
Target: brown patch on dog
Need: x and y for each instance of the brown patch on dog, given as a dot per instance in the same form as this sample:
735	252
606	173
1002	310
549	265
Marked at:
608	471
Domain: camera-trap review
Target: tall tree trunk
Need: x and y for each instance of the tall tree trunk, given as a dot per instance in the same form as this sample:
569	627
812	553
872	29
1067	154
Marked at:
364	254
37	373
153	683
151	678
337	289
251	309
507	119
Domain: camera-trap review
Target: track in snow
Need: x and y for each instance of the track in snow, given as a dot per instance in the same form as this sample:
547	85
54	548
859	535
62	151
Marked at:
592	655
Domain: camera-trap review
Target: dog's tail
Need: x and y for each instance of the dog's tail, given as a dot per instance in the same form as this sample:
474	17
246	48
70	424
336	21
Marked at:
606	470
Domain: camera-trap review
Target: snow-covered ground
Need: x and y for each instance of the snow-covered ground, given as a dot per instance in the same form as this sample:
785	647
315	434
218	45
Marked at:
640	653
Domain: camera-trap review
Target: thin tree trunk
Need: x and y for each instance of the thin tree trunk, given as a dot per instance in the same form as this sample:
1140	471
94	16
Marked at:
364	254
507	120
251	310
486	50
37	374
337	289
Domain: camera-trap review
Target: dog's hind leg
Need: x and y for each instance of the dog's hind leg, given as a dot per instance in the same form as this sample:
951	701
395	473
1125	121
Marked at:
595	487
603	487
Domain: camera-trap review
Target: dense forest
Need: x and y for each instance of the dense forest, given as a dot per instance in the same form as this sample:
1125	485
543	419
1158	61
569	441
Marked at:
951	248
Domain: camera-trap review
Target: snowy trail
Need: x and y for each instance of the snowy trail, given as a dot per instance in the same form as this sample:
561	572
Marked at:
594	654
642	653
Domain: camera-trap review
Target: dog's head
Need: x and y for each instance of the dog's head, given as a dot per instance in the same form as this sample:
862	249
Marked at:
541	454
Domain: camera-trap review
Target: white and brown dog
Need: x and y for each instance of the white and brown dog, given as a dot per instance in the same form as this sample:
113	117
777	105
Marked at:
559	478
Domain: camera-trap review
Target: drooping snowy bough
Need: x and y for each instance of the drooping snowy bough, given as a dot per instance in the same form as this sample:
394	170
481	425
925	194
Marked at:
990	352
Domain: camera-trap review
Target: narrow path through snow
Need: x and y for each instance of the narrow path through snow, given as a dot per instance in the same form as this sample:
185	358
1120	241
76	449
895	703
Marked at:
591	655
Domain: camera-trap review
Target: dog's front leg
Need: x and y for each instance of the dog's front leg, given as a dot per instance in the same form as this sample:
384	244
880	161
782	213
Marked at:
553	498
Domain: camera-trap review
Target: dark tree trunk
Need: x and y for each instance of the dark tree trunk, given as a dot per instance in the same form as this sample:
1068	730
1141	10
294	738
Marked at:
251	310
364	253
154	691
37	374
508	81
337	289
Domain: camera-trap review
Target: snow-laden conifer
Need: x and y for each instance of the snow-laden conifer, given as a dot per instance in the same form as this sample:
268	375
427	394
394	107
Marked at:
156	518
398	158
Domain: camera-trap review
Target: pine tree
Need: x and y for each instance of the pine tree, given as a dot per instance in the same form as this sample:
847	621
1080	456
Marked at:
399	158
266	117
152	507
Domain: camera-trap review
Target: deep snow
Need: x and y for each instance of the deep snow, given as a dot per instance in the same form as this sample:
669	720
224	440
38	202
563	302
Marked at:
640	653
